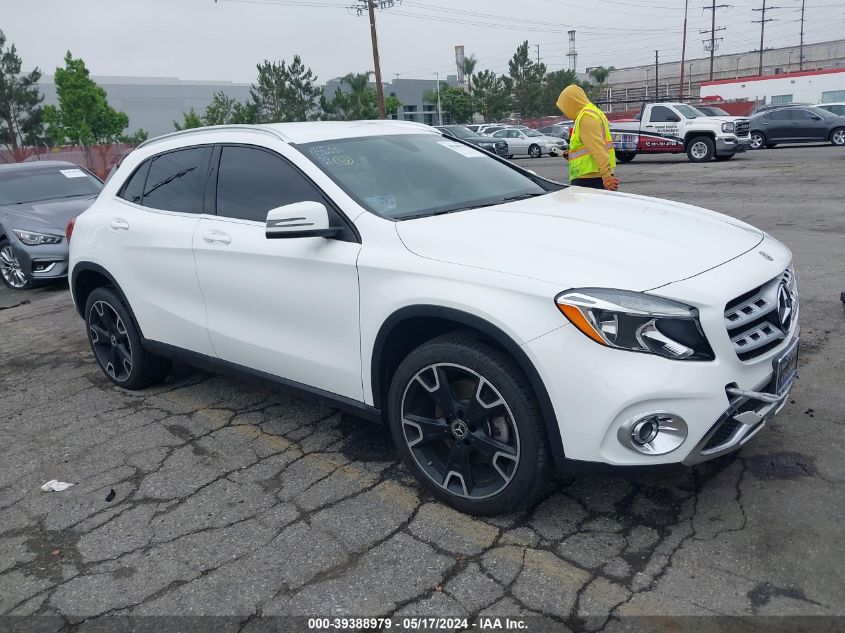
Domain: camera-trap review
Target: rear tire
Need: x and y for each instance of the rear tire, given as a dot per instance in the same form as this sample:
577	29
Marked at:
467	425
116	343
837	137
535	152
701	149
625	157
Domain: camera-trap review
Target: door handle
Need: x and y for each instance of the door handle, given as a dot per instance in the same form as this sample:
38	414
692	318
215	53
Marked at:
119	224
216	237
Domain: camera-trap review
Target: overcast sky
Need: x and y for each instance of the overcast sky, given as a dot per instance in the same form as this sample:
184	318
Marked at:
201	39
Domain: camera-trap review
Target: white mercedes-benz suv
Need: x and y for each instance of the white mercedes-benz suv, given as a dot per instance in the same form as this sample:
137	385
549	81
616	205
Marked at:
499	322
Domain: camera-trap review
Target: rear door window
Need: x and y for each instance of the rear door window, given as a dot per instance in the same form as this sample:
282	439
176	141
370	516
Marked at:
176	180
251	181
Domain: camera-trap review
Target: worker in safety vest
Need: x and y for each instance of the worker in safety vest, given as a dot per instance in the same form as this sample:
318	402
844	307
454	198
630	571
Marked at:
592	159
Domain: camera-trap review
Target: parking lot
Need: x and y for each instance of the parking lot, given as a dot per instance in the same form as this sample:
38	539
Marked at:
212	496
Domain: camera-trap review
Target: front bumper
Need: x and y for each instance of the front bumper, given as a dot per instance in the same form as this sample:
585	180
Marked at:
732	144
598	392
42	262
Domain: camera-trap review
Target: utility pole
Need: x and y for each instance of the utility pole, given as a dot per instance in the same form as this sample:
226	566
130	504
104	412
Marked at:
370	7
656	74
801	46
762	22
712	8
683	52
538	52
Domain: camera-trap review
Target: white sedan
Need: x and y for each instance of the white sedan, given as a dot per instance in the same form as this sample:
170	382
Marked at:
527	142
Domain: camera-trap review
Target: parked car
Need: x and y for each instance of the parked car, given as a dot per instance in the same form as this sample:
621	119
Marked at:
484	142
490	129
36	201
774	106
558	130
834	108
474	127
495	319
803	124
675	128
528	142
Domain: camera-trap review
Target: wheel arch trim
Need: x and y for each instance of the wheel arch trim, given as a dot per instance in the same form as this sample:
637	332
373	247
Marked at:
85	266
504	340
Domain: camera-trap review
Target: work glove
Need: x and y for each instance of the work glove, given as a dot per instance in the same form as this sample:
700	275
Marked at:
611	182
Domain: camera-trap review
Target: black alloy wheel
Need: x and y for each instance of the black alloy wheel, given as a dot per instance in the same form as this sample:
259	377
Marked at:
117	343
110	341
460	431
466	422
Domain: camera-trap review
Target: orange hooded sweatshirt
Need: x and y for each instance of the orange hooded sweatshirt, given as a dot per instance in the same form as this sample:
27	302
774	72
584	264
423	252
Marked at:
571	101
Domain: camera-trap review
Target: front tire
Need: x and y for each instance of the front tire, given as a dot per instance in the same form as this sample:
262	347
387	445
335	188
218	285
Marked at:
837	137
535	152
701	149
758	140
116	343
11	269
625	157
467	425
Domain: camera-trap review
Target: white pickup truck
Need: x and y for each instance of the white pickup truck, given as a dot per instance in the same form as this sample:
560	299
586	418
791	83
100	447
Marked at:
673	128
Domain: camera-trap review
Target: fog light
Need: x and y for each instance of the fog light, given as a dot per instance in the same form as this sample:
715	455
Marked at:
645	431
655	433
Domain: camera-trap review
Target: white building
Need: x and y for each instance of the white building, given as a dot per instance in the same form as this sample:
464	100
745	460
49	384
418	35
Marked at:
811	86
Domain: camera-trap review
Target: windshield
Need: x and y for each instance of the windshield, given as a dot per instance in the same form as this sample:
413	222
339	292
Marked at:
822	113
531	133
415	175
688	111
46	184
713	111
462	132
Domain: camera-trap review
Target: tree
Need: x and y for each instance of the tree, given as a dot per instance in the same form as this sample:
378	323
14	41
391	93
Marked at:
468	67
599	75
355	100
285	92
526	81
135	139
21	115
190	120
457	104
553	85
83	114
391	104
491	95
221	110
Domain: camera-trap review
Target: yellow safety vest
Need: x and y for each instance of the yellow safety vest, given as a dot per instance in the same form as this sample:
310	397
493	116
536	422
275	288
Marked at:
581	161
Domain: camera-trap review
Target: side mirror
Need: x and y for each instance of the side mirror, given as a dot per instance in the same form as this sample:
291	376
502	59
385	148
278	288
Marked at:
301	219
816	117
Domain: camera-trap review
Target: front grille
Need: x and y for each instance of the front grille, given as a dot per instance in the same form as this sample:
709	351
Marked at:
755	321
742	128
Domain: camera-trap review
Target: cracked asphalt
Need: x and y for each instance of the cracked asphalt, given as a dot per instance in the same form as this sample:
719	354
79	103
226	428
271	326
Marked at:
209	496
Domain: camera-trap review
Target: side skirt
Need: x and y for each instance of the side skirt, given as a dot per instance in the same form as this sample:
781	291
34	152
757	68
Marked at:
210	363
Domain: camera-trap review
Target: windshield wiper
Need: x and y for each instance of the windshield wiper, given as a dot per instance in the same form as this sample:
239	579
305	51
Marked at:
522	196
73	195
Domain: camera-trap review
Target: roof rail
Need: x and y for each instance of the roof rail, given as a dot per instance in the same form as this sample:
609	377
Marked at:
214	128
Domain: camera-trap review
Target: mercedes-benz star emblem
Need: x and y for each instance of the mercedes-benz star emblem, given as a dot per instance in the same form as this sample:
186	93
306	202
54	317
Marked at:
786	306
459	429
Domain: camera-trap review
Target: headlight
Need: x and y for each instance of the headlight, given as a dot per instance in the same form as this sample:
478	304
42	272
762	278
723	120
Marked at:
728	127
35	239
486	145
636	322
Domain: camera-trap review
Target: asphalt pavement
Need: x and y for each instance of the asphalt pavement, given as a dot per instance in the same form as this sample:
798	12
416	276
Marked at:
209	496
